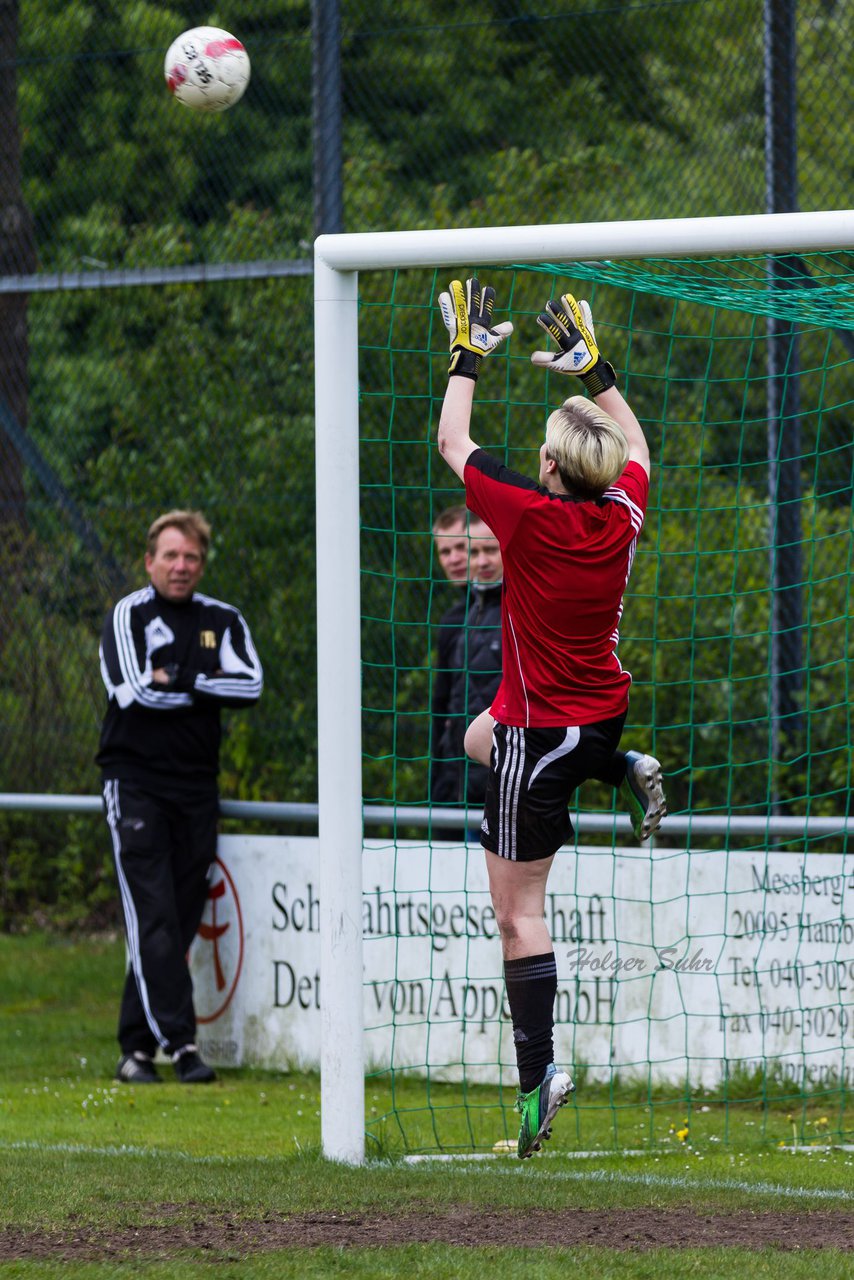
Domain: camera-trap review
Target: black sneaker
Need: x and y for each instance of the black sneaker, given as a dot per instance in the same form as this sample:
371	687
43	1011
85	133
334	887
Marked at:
190	1068
137	1068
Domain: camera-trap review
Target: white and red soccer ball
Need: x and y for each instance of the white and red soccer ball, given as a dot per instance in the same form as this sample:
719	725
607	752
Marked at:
207	69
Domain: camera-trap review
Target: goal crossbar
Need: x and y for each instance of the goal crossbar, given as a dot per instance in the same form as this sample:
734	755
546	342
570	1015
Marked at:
673	238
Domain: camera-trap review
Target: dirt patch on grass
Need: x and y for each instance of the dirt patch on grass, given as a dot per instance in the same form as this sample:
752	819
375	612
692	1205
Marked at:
228	1235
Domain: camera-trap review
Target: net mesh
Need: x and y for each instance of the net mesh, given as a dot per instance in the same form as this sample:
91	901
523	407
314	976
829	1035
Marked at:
716	964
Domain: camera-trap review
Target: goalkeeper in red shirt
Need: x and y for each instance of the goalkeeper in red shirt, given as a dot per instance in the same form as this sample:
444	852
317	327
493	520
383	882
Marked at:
567	542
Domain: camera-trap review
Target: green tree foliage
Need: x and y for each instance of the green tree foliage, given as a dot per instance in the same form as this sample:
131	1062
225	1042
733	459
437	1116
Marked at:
202	395
105	146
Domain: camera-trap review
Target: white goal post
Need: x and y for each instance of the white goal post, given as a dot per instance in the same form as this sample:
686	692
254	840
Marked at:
337	261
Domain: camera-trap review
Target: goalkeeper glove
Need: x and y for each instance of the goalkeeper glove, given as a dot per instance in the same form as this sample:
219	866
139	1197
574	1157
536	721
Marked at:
467	313
571	325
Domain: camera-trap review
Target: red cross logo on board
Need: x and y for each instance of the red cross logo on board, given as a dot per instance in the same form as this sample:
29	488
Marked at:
217	952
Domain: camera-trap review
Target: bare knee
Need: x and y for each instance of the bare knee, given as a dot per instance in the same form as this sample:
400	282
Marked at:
510	920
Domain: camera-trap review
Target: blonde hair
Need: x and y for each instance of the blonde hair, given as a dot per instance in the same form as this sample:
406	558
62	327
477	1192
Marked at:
588	445
191	523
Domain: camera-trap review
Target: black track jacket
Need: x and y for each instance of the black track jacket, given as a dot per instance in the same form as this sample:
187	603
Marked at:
169	738
470	653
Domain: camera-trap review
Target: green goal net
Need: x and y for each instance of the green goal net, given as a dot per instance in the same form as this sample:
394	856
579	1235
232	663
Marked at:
714	965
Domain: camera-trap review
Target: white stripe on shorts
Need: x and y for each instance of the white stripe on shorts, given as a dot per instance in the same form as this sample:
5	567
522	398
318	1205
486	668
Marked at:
508	793
570	742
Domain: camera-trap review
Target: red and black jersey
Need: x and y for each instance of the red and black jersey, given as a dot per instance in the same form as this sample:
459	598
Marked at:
566	564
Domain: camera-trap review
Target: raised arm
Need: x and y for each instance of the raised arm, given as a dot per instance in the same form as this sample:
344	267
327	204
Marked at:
614	403
570	323
455	443
467	314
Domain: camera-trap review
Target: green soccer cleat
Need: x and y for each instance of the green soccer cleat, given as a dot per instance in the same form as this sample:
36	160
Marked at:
539	1107
643	793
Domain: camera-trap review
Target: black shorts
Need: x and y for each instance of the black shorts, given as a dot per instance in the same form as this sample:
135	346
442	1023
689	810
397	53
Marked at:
532	777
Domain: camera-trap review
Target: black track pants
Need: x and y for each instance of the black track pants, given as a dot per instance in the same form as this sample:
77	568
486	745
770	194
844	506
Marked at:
163	849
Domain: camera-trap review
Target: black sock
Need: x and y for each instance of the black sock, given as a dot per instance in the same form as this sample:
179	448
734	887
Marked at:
531	988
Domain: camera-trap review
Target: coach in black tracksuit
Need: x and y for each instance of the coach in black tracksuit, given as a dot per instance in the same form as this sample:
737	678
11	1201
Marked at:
170	659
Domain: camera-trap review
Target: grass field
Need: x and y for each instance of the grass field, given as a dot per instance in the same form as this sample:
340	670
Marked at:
100	1179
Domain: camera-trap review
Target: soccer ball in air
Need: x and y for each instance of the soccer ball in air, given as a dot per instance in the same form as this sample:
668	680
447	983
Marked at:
207	69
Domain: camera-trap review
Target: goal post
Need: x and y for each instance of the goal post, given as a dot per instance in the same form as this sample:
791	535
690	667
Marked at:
339	712
339	262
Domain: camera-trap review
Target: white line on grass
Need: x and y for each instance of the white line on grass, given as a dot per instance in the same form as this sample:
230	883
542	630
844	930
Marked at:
158	1153
556	1175
666	1180
544	1155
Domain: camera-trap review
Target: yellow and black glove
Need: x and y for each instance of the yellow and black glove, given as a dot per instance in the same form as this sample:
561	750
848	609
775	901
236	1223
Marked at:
570	323
467	313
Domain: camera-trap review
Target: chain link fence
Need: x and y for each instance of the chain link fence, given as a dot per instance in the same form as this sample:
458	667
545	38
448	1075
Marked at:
155	291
